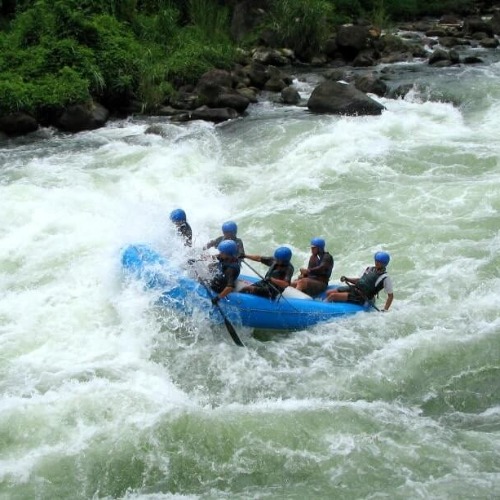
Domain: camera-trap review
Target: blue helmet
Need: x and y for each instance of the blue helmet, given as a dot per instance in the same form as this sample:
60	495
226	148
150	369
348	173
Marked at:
382	257
283	253
230	227
229	247
178	215
318	242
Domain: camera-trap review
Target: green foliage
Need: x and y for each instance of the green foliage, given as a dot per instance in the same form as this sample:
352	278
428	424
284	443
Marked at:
52	90
211	21
119	56
411	9
302	25
346	10
159	28
192	56
379	16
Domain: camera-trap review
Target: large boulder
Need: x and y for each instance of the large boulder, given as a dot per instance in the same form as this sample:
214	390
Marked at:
290	95
214	90
80	117
342	99
18	123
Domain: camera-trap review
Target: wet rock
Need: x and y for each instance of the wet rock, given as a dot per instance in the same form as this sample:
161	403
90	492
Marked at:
216	115
371	84
82	117
351	40
342	99
289	95
18	123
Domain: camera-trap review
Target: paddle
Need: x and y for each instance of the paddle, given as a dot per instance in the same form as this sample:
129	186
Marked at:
230	328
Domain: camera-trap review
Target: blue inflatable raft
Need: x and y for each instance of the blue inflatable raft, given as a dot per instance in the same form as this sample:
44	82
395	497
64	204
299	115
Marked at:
294	310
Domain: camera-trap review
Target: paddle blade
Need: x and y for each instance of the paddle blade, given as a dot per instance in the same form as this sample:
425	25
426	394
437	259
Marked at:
232	332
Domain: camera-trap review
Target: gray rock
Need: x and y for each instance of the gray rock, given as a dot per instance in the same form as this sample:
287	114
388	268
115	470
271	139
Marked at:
342	99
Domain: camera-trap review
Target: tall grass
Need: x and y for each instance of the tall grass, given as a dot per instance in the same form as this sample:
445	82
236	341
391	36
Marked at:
211	20
302	25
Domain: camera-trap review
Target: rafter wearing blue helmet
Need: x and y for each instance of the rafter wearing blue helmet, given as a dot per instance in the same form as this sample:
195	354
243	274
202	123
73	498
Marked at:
365	289
226	271
278	276
313	280
229	231
178	217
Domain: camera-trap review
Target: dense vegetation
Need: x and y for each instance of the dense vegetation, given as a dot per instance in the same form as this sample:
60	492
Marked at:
57	52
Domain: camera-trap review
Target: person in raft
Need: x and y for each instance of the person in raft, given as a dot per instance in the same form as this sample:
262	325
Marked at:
178	217
229	231
278	276
314	279
225	271
364	289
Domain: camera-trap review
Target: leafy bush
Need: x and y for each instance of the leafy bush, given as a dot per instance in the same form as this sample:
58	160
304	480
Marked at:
60	89
192	56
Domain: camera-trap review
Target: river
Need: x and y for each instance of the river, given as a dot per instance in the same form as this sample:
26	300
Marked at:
105	396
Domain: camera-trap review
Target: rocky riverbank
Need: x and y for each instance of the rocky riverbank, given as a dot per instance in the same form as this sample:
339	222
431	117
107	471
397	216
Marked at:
354	55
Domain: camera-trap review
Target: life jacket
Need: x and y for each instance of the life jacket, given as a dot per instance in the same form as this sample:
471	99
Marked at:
278	272
317	260
371	282
219	281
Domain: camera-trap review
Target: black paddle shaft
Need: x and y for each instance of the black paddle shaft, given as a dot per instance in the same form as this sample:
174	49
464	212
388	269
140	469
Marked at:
230	328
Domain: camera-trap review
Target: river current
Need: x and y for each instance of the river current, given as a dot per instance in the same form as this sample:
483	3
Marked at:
104	395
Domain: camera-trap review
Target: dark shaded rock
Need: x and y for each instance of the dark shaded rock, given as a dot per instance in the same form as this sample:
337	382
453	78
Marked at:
232	99
182	117
371	84
277	80
289	95
495	23
449	41
249	93
82	117
337	74
439	32
214	89
342	99
270	56
215	78
18	123
489	43
167	111
185	100
439	55
400	91
258	74
475	24
472	60
331	47
364	59
215	115
351	40
450	20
